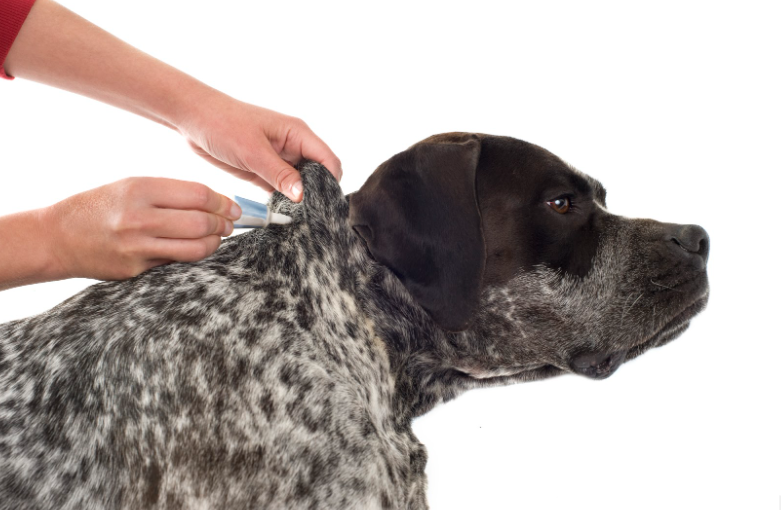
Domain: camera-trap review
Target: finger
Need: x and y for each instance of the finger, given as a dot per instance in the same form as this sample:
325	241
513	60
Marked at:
174	194
277	171
184	250
183	224
312	147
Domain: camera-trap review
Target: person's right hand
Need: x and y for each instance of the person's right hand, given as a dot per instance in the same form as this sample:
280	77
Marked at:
122	229
59	48
253	143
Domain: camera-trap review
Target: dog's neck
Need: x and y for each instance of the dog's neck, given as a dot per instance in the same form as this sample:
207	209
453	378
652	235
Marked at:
429	365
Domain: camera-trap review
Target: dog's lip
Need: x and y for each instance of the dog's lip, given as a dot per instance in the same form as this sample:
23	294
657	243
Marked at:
672	328
542	371
694	283
598	366
667	332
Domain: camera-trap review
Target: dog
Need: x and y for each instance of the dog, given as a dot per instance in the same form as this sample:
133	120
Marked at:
284	370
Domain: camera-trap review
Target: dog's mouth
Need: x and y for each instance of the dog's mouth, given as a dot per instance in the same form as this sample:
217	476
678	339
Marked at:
672	329
601	365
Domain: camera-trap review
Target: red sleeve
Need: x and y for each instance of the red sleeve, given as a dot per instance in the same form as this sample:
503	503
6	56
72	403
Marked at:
12	16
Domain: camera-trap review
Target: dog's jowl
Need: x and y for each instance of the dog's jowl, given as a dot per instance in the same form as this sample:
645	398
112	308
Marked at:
284	371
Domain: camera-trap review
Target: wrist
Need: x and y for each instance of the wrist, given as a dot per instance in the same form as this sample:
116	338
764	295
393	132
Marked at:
177	98
28	253
193	105
51	244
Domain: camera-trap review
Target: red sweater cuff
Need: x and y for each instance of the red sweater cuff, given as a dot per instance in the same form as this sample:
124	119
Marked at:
12	16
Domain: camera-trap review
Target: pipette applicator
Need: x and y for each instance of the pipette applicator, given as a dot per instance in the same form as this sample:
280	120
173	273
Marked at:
255	214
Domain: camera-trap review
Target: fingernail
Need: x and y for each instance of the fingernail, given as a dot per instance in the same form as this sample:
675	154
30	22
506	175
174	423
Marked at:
296	189
228	228
235	211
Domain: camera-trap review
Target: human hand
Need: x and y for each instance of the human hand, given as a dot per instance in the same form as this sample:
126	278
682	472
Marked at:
253	143
59	48
122	229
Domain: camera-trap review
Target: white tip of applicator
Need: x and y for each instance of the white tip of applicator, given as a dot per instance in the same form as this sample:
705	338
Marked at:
279	218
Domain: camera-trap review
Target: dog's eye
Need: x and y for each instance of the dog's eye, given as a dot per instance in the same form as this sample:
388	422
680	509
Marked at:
560	205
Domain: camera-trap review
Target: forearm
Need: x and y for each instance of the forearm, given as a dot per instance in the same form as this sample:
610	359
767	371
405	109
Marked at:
59	48
26	256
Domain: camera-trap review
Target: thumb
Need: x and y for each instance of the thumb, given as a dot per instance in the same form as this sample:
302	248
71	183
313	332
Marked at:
278	173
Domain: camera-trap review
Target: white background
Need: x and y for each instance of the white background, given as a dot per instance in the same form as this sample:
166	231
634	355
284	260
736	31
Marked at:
674	106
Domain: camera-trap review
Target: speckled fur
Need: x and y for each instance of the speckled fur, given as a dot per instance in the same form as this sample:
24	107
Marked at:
283	372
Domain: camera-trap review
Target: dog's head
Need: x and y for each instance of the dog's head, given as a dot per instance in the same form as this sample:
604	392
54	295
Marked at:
499	236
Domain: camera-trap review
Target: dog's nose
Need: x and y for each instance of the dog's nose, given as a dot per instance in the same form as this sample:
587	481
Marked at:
692	238
598	365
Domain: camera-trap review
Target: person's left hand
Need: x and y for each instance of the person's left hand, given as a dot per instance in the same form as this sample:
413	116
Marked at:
122	229
255	144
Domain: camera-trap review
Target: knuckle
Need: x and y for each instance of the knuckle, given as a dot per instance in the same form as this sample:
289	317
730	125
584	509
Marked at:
203	225
128	182
132	270
132	186
139	266
201	194
134	257
129	266
213	244
126	220
206	247
127	251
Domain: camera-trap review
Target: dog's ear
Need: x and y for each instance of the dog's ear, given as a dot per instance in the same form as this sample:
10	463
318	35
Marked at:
419	216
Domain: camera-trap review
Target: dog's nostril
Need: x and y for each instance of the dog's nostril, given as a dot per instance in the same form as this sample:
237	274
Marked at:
692	238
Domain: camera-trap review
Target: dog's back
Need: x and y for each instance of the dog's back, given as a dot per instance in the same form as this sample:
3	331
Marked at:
248	380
